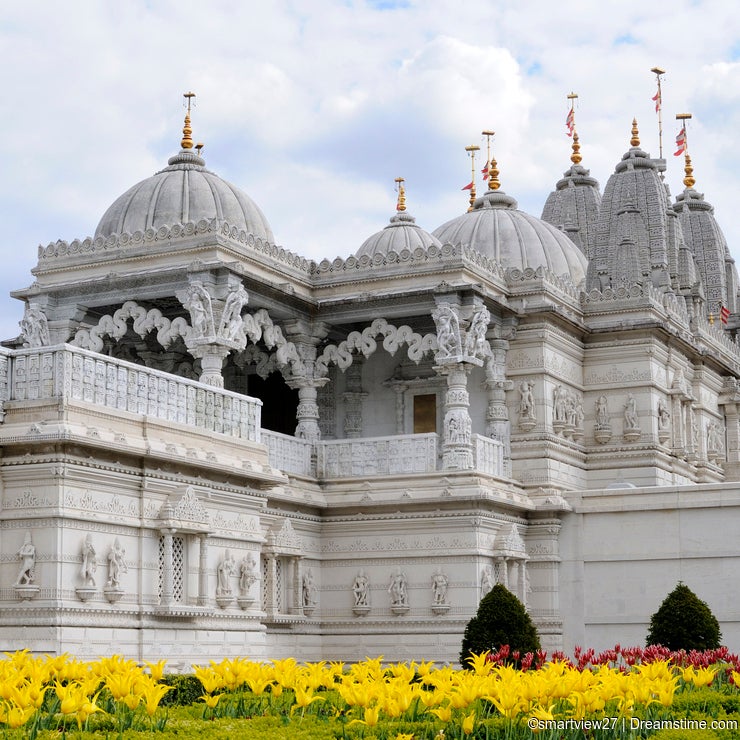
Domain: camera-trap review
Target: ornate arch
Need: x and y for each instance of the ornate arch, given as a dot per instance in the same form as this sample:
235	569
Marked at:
364	342
116	326
254	326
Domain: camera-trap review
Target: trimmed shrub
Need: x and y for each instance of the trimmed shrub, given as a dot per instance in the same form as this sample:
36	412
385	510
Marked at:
501	620
684	622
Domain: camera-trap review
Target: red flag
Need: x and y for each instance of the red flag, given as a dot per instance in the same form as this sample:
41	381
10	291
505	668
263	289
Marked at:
658	100
570	122
485	171
680	142
469	186
724	314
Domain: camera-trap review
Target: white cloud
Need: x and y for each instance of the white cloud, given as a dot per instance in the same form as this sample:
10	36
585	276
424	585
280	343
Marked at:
314	106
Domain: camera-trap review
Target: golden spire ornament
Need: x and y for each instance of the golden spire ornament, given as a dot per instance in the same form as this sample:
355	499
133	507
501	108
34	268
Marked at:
576	157
187	132
490	171
635	140
401	203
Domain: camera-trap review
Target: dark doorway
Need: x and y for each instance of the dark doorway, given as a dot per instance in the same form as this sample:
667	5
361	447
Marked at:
279	403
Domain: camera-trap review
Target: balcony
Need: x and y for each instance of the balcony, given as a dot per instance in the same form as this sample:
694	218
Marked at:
66	372
373	456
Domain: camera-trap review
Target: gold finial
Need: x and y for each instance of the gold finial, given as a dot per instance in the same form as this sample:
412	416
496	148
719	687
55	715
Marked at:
635	140
711	319
187	140
688	180
471	150
493	181
576	156
401	204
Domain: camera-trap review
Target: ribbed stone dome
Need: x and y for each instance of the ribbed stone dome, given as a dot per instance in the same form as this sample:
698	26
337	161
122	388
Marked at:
401	233
184	191
498	230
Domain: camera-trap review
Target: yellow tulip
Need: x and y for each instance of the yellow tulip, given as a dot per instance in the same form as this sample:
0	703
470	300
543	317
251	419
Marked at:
211	701
468	724
18	716
153	694
156	670
443	713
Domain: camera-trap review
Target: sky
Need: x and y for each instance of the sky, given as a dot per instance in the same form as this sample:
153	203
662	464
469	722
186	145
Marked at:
314	107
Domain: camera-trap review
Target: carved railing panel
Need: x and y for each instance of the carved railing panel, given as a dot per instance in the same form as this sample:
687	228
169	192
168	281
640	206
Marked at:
350	458
489	455
289	454
81	375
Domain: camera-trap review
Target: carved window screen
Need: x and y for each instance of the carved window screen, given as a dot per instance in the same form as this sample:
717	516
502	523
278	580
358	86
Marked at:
178	568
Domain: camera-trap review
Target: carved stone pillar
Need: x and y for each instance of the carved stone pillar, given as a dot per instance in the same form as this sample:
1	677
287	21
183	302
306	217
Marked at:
297	605
461	339
729	400
168	594
306	336
211	358
203	570
457	448
353	398
270	595
497	415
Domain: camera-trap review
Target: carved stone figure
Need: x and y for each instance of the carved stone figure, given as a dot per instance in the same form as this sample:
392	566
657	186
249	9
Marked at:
247	576
440	583
198	303
89	564
226	569
487	581
27	555
664	415
448	331
559	402
231	318
630	414
34	327
475	341
308	588
116	565
361	589
602	412
526	400
397	588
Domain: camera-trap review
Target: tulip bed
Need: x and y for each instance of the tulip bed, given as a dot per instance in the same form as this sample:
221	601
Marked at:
621	693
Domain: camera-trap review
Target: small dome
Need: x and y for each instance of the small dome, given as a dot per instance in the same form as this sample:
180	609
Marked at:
184	191
401	233
500	231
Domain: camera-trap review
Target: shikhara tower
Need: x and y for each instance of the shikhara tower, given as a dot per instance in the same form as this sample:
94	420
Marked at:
260	454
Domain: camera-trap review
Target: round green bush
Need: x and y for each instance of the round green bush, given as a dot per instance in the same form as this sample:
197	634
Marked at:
684	622
501	620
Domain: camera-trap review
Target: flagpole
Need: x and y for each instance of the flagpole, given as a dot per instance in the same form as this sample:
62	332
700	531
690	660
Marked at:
688	179
657	71
570	120
471	150
487	169
683	117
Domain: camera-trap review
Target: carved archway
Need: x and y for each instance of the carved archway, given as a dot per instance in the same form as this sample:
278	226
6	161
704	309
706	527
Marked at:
364	342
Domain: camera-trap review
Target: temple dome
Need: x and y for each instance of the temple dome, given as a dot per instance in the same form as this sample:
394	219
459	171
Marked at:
184	191
401	233
497	229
